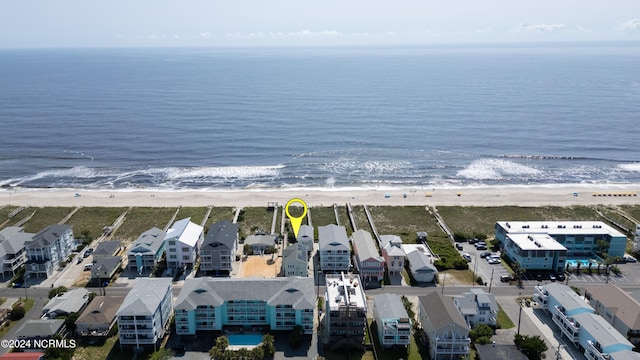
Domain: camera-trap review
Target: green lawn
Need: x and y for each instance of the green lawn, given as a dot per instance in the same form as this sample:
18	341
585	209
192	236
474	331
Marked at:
28	304
503	320
344	219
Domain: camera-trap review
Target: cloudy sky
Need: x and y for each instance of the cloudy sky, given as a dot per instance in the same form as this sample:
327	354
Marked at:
92	23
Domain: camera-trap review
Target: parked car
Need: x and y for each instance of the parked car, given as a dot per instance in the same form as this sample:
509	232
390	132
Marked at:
494	261
466	256
459	246
481	247
86	254
560	276
552	277
80	258
485	254
629	259
505	278
473	241
88	266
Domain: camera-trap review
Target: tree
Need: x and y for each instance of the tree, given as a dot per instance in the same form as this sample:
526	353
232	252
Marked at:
268	345
533	347
518	271
257	352
479	331
17	313
58	353
160	354
57	291
70	321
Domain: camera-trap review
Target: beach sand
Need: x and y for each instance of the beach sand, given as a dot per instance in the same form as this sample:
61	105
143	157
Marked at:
565	195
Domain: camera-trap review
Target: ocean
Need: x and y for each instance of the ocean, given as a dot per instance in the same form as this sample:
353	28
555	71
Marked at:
370	117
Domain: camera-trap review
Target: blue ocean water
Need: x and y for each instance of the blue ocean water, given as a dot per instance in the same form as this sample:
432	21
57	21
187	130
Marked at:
320	117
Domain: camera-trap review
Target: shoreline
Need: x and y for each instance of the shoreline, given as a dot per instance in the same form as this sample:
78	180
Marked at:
531	195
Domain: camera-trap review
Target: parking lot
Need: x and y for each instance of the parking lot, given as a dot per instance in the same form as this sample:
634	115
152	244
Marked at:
481	266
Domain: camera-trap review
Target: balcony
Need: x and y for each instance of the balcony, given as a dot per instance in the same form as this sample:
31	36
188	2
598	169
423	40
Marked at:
594	351
541	296
567	324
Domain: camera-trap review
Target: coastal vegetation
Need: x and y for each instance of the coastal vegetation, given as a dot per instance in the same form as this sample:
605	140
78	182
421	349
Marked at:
94	219
46	216
141	219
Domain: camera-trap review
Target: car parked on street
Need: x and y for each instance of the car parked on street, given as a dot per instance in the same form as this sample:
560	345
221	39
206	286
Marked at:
629	259
466	256
459	246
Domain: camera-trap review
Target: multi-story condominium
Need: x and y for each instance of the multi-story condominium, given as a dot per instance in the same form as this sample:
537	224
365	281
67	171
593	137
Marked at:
346	310
624	355
146	251
218	251
477	307
369	263
392	320
48	248
394	256
182	243
578	237
535	251
598	338
305	237
421	267
144	315
335	252
443	327
618	308
295	261
13	252
563	304
206	304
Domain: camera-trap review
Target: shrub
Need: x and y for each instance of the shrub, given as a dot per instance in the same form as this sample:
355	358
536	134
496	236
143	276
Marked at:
57	291
17	313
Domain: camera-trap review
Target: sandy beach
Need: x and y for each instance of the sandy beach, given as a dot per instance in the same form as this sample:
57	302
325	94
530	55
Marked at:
564	195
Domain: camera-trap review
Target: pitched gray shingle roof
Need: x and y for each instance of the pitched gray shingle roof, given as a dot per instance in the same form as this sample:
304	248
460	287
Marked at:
106	265
332	237
295	291
390	306
101	310
107	248
149	242
441	311
13	239
364	246
420	262
40	328
48	235
623	305
145	297
223	233
70	301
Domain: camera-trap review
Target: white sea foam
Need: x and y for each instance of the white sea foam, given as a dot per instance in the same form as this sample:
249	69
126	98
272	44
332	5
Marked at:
347	166
224	172
495	169
634	167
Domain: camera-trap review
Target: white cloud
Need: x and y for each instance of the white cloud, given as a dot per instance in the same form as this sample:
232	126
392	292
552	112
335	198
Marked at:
580	29
484	31
630	25
205	35
541	28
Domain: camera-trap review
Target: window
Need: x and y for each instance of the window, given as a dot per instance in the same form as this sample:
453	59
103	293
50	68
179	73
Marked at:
172	242
185	249
172	250
172	256
185	257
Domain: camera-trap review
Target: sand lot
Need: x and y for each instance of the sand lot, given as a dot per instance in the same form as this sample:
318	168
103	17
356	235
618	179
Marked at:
260	266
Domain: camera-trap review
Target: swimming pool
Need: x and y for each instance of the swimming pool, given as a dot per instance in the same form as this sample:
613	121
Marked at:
244	340
584	263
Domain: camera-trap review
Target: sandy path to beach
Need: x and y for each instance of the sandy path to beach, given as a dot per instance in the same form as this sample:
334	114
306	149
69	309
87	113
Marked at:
486	196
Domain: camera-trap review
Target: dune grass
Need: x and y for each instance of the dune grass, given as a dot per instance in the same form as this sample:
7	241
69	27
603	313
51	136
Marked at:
195	213
141	219
94	219
46	216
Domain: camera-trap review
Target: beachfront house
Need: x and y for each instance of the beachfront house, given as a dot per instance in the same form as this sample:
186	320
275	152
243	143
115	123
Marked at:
305	237
394	256
13	252
421	267
345	318
218	251
369	263
106	249
392	321
477	307
442	327
144	314
618	308
335	252
295	261
261	243
104	268
580	238
206	304
146	251
47	249
182	243
99	317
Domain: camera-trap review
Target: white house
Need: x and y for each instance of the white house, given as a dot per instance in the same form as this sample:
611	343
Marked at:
305	237
12	248
182	243
392	252
335	252
392	321
145	312
422	270
443	327
48	248
477	307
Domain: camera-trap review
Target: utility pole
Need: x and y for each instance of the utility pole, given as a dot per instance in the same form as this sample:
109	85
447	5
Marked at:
444	278
491	280
519	315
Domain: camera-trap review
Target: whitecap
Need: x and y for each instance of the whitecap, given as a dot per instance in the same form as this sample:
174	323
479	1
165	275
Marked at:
633	167
496	169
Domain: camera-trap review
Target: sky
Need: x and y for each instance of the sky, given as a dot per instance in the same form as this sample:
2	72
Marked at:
162	23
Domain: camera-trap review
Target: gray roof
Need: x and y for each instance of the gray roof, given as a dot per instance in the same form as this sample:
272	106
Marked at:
149	242
40	328
305	231
567	297
145	297
619	302
68	302
221	235
12	240
106	265
364	246
485	298
393	239
499	352
466	305
441	311
294	250
101	310
261	239
332	237
48	235
602	332
419	262
390	306
296	291
107	248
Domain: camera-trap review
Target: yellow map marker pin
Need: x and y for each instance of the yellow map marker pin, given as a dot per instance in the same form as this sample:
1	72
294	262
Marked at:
296	222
